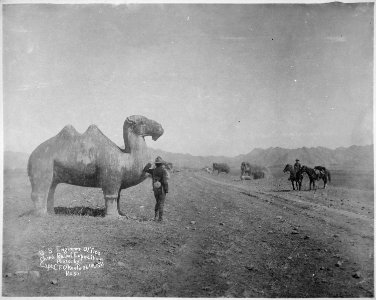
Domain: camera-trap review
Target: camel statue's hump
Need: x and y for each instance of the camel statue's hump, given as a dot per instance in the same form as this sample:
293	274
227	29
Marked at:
68	130
93	130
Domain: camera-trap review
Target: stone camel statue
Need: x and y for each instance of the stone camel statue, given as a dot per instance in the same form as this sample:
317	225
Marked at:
91	160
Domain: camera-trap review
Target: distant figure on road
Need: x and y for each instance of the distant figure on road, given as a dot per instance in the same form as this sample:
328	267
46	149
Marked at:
297	165
160	186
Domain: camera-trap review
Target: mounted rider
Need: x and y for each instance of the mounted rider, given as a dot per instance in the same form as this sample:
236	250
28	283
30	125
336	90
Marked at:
297	166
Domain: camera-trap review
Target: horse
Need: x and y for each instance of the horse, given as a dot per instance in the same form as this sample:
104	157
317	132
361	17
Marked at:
315	175
221	168
294	177
323	169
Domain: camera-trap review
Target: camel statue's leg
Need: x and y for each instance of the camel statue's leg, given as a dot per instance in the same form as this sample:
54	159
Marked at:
111	205
41	178
40	191
118	206
38	198
111	197
50	198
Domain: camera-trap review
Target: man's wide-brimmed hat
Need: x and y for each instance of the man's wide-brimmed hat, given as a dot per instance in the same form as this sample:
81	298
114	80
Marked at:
296	159
159	160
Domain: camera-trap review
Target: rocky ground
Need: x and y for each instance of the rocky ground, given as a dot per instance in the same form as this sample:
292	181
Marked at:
222	238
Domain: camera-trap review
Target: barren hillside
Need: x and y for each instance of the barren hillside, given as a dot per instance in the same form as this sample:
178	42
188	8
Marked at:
357	157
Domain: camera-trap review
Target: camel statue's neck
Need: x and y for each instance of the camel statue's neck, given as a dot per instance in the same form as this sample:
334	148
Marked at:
135	159
133	143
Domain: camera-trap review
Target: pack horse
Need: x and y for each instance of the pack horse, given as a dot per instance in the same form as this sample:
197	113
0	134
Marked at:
315	174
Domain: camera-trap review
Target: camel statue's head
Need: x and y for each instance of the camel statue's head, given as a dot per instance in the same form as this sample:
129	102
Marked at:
143	126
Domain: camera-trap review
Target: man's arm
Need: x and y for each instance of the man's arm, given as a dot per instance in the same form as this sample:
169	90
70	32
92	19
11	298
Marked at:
147	169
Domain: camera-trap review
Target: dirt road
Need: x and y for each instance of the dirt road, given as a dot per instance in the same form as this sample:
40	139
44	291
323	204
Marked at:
222	238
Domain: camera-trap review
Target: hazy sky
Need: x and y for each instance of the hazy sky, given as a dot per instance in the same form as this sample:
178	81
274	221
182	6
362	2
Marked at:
221	79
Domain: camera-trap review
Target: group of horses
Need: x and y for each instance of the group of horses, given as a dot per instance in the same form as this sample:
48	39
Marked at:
315	174
248	171
296	177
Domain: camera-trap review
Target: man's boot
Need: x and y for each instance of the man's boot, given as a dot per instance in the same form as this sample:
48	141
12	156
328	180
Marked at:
160	216
156	216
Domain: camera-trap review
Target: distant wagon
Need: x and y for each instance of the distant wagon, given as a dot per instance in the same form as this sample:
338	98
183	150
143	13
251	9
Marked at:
221	168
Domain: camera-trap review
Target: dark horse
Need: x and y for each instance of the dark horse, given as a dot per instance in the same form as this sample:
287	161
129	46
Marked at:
294	177
323	169
315	174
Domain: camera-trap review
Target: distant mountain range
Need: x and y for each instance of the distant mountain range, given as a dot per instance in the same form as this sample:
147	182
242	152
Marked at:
358	157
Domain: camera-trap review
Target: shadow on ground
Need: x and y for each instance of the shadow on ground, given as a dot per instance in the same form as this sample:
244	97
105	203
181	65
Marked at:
80	211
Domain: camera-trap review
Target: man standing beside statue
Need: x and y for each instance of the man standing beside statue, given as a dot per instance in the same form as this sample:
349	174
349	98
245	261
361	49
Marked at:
160	187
